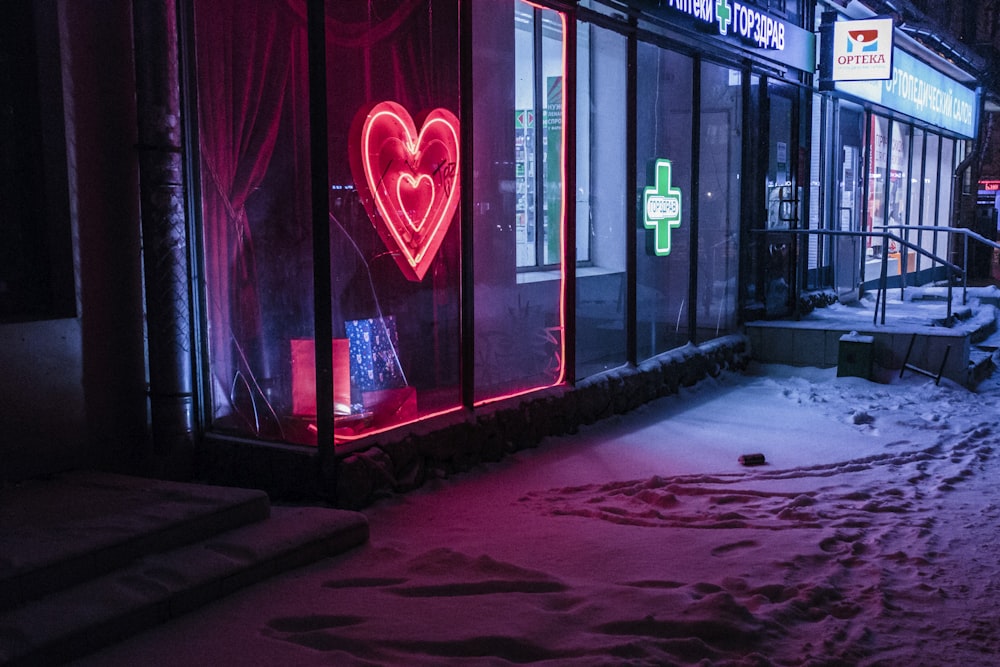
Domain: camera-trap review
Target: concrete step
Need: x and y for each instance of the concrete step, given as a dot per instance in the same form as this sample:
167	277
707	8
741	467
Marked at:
68	528
982	364
985	295
168	576
942	343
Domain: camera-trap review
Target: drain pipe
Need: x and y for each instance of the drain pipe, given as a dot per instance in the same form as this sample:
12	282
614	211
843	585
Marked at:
164	236
961	208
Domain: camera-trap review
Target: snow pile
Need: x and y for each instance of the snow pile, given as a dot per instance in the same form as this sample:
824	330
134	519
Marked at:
868	538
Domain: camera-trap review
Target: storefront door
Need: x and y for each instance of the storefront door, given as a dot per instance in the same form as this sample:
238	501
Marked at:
849	195
783	195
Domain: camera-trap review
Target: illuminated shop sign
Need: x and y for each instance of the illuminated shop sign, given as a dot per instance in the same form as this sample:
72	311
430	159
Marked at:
661	207
774	38
918	90
862	50
989	186
407	180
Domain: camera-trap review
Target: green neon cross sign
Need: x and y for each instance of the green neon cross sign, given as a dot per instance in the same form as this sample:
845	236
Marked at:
724	14
661	207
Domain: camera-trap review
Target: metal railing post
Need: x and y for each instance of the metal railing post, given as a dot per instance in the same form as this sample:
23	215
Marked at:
884	278
965	271
882	288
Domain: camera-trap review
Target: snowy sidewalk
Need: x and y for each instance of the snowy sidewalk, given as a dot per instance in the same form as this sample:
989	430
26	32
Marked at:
868	539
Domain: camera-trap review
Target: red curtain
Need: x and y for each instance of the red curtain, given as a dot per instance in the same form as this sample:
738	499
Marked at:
250	63
254	137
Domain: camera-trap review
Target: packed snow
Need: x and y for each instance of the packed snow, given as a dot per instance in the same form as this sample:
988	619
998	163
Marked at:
869	537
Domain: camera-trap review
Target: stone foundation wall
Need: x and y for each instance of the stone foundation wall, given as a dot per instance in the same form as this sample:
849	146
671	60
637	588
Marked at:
404	459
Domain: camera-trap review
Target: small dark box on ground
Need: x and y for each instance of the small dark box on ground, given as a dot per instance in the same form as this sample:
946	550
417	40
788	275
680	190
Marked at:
855	354
752	459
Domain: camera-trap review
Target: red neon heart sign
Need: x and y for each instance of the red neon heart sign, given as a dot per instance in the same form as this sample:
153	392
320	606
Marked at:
407	180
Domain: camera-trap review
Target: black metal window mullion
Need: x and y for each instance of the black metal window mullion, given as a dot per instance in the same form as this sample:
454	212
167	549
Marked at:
631	212
467	354
923	193
541	112
320	206
693	203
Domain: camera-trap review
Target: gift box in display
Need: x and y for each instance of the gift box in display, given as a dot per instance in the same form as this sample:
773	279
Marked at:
303	355
374	358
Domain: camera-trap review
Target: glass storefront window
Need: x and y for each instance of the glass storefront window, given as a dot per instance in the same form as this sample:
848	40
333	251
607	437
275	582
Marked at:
664	129
394	250
394	165
896	200
719	160
932	189
783	196
820	137
946	171
254	211
518	314
538	89
602	66
898	173
915	191
878	166
849	200
434	307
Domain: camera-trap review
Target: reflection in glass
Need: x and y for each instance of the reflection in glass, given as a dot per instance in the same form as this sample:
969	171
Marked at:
899	160
538	90
928	240
946	166
719	162
518	313
663	131
600	200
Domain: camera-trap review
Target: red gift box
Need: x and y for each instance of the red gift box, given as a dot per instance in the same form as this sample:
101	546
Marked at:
304	377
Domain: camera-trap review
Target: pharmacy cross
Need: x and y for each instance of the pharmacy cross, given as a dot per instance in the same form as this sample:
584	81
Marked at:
724	14
661	207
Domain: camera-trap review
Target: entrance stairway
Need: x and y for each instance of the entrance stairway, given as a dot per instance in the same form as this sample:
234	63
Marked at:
88	559
918	320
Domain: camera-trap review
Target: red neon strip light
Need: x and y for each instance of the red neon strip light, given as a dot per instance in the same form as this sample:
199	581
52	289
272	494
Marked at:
562	236
343	438
562	215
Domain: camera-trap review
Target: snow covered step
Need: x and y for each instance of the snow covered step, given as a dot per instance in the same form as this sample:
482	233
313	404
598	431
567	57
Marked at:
69	528
160	586
981	366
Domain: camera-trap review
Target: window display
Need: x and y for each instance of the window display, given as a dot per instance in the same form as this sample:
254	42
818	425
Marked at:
394	142
393	150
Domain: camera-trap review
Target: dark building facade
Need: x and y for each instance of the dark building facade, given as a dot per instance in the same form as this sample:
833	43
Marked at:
483	208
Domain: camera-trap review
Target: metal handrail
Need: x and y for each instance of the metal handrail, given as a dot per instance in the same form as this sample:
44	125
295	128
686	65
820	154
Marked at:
886	236
963	231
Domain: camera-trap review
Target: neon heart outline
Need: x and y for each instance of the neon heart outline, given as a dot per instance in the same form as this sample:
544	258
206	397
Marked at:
386	147
414	184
